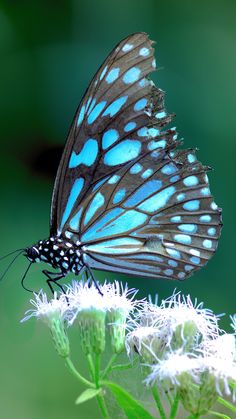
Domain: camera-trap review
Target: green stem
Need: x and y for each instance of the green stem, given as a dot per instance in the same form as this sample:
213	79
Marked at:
227	404
169	398
218	415
109	366
91	366
97	369
121	367
174	408
102	405
74	371
94	369
158	402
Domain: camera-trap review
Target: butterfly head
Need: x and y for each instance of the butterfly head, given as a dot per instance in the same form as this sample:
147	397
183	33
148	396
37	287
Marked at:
32	253
40	251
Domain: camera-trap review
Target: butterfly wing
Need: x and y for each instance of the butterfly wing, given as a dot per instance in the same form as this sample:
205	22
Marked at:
123	192
108	127
155	217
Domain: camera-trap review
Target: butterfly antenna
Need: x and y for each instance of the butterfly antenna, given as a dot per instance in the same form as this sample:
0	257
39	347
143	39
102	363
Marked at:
23	278
11	263
11	253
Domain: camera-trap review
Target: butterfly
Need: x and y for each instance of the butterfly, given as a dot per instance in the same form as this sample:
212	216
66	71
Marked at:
125	198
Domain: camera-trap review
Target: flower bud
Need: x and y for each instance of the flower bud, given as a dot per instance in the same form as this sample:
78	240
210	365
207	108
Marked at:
53	313
197	399
147	342
60	337
91	323
184	336
116	319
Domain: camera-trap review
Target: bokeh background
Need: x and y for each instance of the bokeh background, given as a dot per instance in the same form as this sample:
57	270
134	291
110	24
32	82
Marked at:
49	50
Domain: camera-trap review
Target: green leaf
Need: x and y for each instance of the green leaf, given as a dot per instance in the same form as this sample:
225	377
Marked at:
219	415
226	404
88	394
132	408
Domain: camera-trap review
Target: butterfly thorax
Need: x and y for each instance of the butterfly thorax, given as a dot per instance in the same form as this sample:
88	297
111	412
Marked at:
60	254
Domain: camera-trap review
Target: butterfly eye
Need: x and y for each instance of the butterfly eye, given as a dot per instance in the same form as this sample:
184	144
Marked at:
32	253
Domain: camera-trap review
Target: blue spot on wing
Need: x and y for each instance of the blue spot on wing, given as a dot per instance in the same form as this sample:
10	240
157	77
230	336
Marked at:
156	144
103	72
140	104
191	181
95	204
183	238
115	106
108	225
74	194
106	219
158	200
128	127
113	179
112	75
116	246
81	115
75	221
96	111
136	168
109	137
168	169
143	192
119	195
192	205
205	218
131	75
100	183
86	156
188	228
121	153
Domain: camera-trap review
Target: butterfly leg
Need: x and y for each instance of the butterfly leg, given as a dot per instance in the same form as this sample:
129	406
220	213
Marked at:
53	277
92	279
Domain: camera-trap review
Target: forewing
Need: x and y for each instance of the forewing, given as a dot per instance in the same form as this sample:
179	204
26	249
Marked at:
155	217
109	125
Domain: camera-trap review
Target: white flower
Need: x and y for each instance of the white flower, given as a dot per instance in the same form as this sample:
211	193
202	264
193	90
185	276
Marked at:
222	371
233	324
120	302
222	347
177	313
110	297
85	296
89	307
46	309
53	313
174	370
219	361
120	297
140	336
148	341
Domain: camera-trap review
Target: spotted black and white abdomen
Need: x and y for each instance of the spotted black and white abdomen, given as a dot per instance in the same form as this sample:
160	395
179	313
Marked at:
57	253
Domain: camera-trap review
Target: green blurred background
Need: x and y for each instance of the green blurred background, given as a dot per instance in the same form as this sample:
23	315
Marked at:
49	52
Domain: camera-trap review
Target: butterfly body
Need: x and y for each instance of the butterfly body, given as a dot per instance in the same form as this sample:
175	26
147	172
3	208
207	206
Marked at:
59	254
125	198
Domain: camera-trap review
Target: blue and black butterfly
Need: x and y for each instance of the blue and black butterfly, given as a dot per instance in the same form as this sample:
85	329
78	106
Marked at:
125	200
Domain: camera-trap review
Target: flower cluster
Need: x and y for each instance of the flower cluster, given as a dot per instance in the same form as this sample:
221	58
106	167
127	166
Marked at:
93	308
179	343
183	348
